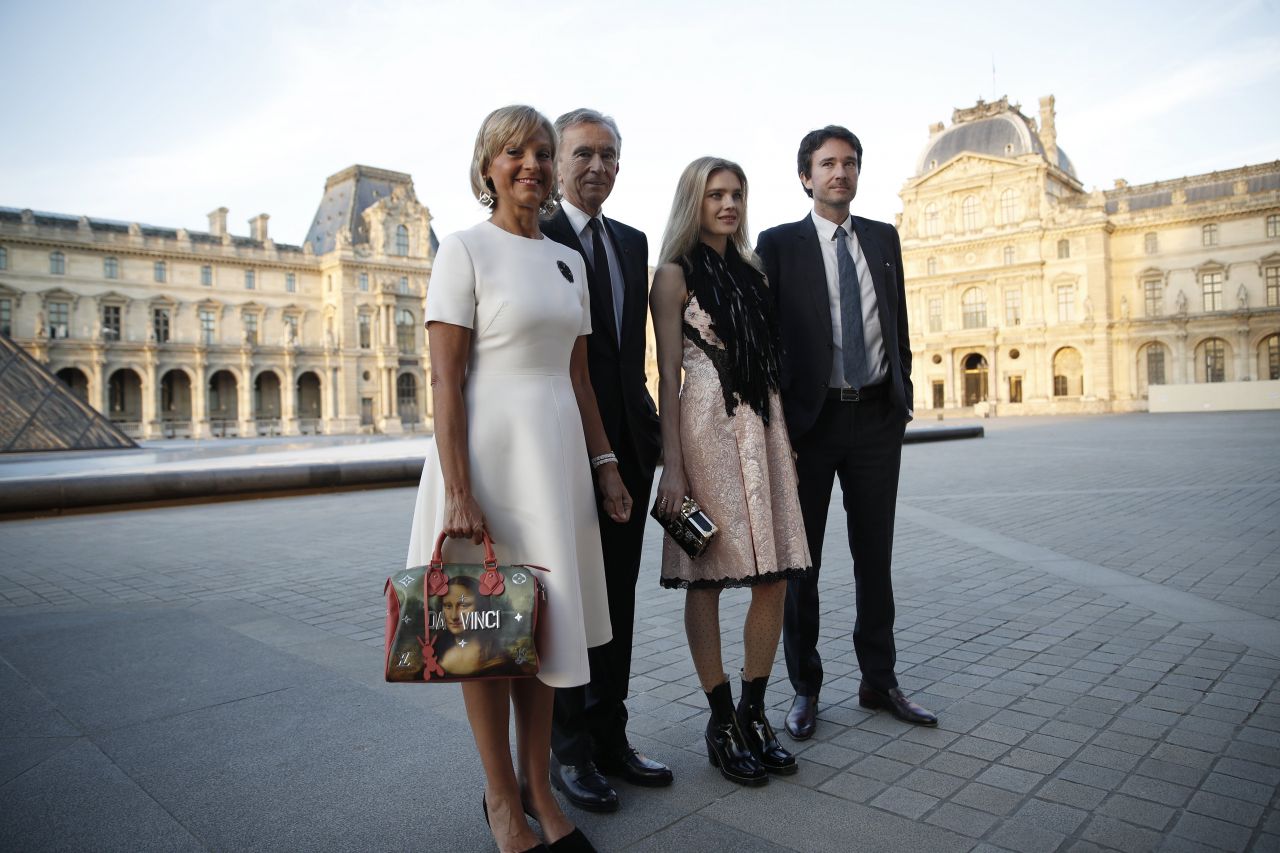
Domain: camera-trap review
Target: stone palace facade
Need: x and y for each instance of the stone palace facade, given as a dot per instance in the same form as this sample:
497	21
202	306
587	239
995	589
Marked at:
172	332
1029	295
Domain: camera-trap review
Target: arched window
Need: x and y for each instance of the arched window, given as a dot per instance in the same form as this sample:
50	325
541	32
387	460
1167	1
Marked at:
1153	361
969	213
1010	212
57	263
1269	357
973	305
402	240
1064	249
931	222
1211	361
1068	373
405	328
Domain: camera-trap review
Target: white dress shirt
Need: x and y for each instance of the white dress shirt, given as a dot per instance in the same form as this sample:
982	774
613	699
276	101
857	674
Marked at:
871	334
580	220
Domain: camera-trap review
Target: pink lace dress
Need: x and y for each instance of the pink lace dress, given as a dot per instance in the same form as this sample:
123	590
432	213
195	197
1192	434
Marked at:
740	472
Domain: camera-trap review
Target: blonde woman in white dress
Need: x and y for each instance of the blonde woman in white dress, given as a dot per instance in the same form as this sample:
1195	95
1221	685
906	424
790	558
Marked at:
518	437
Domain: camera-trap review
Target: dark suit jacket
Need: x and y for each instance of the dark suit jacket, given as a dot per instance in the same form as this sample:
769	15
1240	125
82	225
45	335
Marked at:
798	283
617	367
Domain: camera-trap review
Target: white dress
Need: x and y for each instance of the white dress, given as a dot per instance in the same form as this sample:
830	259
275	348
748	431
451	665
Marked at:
526	303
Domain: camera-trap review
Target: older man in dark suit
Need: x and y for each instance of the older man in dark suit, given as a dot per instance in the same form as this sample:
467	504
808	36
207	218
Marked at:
589	735
846	392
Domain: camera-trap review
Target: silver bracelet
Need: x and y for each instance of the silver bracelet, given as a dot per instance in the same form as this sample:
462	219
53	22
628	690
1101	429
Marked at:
603	459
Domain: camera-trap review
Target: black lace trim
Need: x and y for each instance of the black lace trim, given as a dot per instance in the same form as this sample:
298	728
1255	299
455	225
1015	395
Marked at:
719	358
734	583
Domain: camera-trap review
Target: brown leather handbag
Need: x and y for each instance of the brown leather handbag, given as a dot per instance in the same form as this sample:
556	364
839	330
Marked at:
458	621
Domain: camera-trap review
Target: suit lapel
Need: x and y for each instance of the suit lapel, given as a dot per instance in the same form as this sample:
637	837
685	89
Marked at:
561	229
813	273
876	266
625	264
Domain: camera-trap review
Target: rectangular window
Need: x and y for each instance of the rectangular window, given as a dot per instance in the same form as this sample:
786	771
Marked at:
1015	389
251	329
935	315
6	317
404	285
160	324
160	273
1013	307
1273	287
59	319
364	281
931	266
4	258
111	322
1211	284
366	331
1209	235
1273	225
1150	243
206	326
290	283
1215	361
1008	256
57	263
939	391
206	275
1066	303
250	280
1153	297
1064	249
110	268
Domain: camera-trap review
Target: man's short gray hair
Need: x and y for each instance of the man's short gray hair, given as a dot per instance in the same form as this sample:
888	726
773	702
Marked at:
582	115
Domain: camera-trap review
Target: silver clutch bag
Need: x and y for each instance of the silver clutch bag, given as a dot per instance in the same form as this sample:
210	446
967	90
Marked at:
691	528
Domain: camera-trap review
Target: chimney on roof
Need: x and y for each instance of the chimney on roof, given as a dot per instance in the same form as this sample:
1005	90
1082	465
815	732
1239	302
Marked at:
218	222
1048	132
258	227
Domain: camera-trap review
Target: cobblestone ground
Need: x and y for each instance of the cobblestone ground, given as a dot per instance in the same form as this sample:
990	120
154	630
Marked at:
1089	604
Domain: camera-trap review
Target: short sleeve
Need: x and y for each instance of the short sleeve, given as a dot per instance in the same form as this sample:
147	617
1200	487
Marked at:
451	294
580	270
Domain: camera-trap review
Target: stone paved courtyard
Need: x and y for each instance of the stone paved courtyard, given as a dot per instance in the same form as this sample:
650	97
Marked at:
1090	605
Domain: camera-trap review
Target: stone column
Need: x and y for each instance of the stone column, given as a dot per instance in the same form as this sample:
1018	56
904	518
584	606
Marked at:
1245	362
150	397
200	399
289	396
248	423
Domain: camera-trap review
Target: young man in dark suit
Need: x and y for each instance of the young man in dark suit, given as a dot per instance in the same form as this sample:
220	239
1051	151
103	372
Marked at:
589	736
837	284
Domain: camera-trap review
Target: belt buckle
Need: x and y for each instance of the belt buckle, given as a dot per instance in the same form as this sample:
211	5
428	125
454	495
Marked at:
849	395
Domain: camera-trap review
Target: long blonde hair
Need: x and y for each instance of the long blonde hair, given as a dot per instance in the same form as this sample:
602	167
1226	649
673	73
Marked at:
684	226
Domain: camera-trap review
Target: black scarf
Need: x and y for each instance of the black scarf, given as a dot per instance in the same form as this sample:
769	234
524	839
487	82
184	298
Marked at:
735	295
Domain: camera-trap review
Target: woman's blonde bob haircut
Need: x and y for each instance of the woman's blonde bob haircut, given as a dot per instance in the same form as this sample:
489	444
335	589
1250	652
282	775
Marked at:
684	227
516	123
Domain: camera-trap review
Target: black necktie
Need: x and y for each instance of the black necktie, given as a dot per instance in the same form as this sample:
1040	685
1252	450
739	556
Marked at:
600	266
854	344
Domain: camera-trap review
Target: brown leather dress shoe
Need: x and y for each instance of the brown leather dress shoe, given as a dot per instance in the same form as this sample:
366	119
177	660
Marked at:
895	703
635	767
802	719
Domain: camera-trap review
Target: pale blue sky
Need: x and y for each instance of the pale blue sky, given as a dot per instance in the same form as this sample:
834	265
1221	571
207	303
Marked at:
159	113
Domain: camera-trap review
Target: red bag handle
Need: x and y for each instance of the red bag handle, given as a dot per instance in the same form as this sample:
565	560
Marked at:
491	582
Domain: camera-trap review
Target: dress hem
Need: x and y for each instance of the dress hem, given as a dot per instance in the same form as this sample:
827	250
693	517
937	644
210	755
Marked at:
733	583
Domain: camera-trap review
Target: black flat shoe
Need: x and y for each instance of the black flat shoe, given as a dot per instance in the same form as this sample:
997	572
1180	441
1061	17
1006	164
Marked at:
636	768
893	701
583	786
574	842
802	719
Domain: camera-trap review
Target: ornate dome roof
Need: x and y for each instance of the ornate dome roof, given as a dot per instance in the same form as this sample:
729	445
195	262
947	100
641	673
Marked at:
998	129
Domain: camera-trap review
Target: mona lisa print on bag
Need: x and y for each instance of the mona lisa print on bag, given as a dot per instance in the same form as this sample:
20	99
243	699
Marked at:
455	622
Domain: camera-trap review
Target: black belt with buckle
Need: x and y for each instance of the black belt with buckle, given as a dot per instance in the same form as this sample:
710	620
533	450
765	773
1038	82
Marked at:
859	395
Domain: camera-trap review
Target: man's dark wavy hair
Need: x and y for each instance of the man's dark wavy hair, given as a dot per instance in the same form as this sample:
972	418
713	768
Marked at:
815	139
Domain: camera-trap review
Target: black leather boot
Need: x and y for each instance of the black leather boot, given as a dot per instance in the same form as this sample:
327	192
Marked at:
726	746
758	733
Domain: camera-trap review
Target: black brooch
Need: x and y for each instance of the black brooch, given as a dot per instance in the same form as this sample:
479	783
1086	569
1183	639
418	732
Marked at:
565	271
